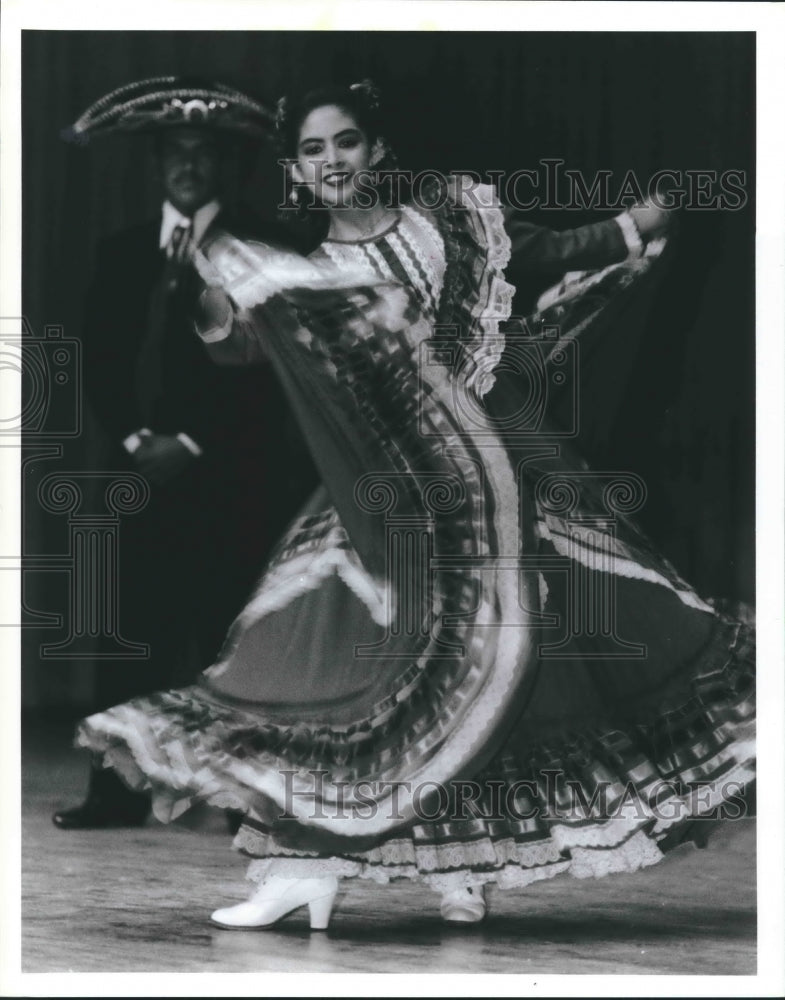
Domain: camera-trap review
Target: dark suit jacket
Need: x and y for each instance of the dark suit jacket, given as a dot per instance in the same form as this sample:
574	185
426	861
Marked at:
254	468
197	397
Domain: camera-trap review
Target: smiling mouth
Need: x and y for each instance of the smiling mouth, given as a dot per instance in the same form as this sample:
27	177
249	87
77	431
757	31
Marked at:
337	178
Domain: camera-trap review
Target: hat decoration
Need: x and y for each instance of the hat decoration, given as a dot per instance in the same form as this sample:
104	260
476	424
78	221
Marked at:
166	101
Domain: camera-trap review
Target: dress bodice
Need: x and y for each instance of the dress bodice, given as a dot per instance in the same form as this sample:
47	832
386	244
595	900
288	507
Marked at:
411	251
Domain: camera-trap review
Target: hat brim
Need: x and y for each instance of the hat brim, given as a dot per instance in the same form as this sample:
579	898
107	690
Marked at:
150	106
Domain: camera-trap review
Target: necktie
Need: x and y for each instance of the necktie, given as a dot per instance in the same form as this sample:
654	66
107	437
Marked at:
177	256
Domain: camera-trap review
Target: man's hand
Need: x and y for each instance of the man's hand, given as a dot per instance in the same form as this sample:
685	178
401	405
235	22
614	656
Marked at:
161	458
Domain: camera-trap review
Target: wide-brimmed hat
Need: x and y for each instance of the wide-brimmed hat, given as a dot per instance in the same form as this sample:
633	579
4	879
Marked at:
167	101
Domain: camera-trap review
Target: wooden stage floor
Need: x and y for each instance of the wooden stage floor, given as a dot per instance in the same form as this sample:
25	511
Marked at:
138	901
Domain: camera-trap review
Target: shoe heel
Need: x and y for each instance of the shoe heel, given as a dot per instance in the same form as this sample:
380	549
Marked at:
320	910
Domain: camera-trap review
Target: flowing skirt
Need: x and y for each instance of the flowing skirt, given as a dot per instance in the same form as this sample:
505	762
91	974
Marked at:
464	663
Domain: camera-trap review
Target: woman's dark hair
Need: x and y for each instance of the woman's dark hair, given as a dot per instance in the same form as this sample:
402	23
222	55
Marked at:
360	100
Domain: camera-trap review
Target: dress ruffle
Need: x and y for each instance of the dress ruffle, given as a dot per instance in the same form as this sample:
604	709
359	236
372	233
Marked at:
584	802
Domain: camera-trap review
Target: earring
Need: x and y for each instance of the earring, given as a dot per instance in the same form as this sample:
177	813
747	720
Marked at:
294	198
382	153
378	153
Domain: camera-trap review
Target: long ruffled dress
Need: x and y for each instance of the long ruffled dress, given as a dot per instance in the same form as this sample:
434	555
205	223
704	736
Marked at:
463	664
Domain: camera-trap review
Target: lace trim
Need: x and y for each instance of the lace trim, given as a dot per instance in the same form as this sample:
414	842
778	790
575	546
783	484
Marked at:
430	858
426	244
495	300
415	244
636	853
370	251
639	851
348	255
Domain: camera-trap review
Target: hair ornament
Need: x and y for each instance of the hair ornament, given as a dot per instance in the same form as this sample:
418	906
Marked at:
369	92
281	114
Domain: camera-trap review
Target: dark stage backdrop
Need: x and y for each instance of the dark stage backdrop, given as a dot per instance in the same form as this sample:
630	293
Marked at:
599	101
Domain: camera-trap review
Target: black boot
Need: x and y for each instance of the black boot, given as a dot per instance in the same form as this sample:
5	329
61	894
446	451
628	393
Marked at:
234	820
109	803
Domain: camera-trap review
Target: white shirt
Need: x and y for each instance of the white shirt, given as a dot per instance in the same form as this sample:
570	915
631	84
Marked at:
202	217
198	223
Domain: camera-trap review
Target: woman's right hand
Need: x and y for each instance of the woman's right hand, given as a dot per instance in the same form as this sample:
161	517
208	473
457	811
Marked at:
205	269
214	306
214	309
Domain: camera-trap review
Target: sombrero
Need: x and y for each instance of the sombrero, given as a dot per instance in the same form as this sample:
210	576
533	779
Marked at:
165	101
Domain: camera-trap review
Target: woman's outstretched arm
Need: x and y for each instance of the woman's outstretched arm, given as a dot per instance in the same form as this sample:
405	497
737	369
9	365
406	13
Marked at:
228	333
588	247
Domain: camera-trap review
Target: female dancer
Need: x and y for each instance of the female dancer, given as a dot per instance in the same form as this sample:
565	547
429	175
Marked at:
464	665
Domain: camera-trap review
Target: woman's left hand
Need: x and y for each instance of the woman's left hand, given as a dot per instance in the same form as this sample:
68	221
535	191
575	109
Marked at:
650	219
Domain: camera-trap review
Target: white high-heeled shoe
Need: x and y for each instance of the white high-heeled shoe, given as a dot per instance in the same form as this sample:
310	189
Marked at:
276	898
464	906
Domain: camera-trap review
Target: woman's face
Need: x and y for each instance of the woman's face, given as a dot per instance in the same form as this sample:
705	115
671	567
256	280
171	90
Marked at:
331	150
